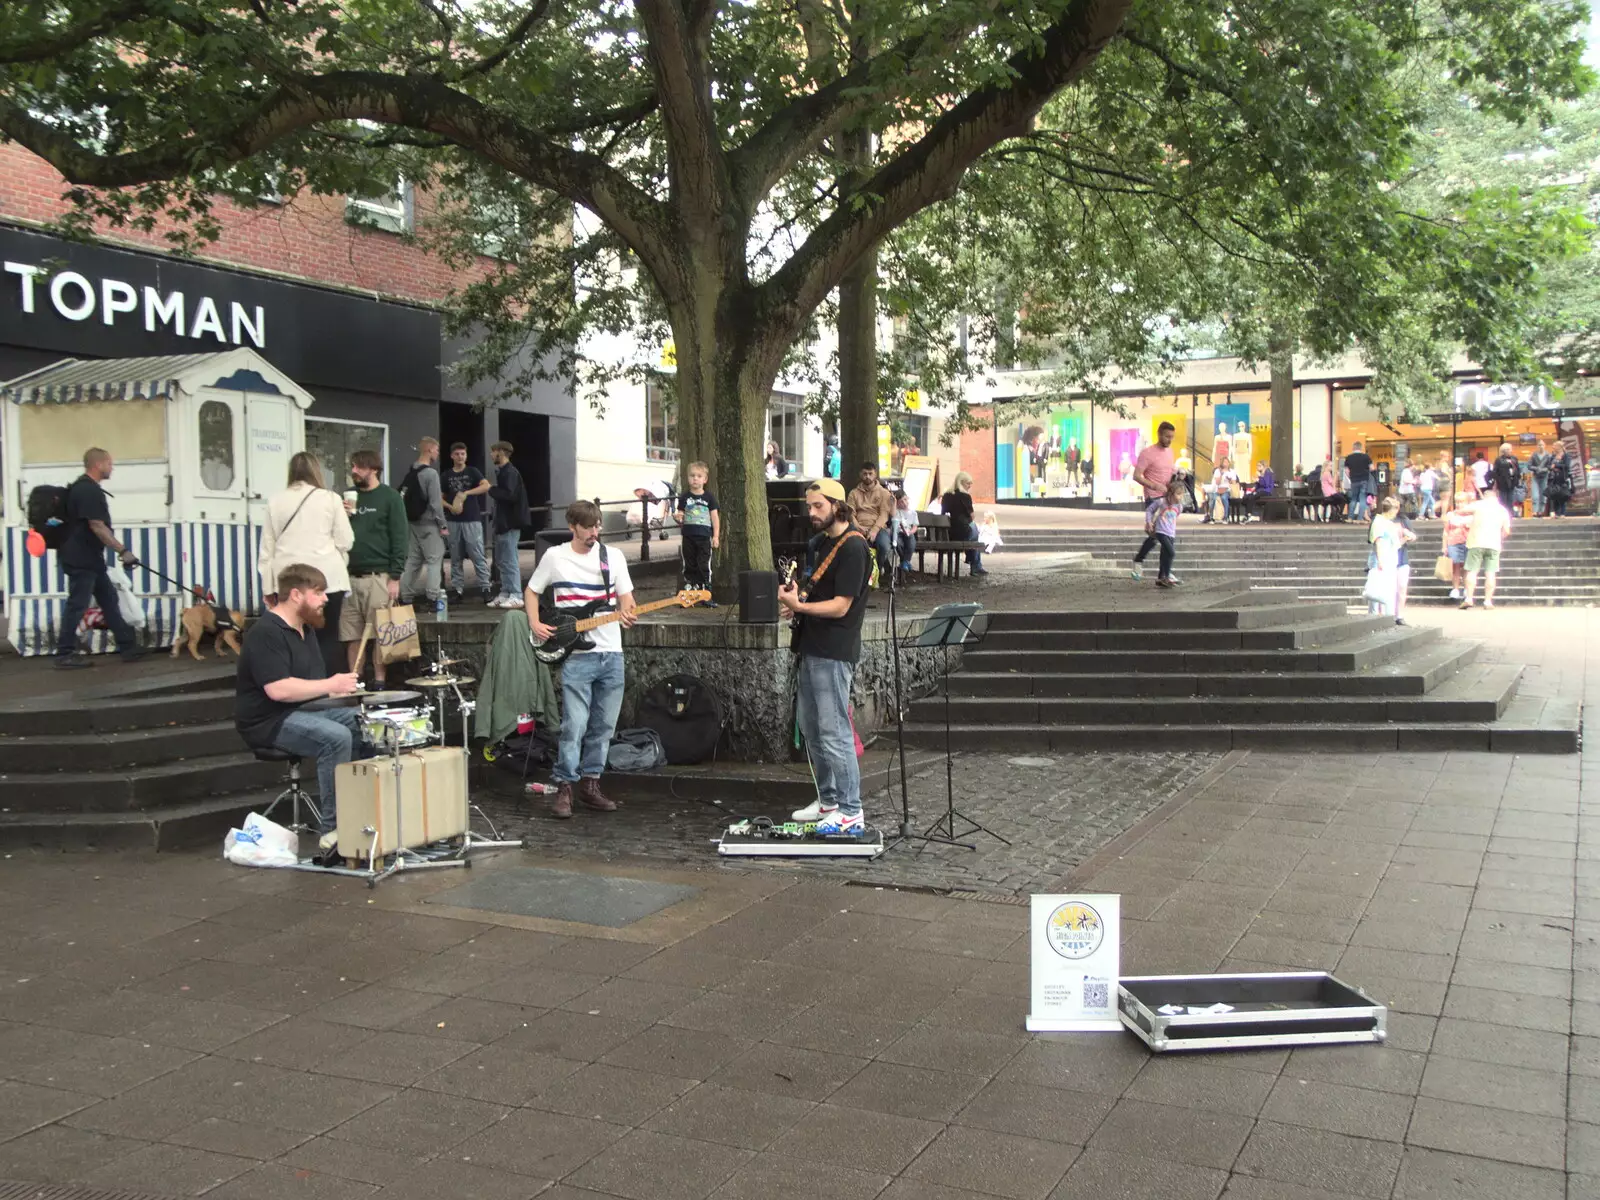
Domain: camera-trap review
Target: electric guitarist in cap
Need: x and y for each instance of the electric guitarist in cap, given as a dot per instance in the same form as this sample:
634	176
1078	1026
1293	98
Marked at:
579	574
830	607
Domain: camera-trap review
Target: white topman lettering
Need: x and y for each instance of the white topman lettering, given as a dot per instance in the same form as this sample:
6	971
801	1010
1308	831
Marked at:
75	297
1503	397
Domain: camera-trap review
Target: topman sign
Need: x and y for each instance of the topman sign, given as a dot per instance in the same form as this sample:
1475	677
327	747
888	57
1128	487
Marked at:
76	297
1503	398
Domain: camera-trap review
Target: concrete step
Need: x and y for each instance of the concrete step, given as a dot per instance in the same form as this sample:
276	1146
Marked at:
144	788
1411	674
117	713
1384	642
171	827
1245	616
1312	633
123	748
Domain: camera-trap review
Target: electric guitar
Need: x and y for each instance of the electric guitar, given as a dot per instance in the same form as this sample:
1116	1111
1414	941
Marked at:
572	623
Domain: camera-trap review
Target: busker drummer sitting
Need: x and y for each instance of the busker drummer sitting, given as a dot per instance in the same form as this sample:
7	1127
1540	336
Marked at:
280	669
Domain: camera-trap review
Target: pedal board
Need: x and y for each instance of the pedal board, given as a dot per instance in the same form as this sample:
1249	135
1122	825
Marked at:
764	838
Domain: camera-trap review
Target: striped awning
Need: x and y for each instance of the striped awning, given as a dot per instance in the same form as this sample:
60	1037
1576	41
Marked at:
78	379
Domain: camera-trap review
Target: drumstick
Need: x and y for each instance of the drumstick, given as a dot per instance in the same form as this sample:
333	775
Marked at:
361	652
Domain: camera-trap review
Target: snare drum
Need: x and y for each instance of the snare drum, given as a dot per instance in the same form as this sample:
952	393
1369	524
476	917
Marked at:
403	727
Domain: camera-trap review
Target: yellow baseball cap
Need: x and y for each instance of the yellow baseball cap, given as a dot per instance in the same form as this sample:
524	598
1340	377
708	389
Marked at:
831	488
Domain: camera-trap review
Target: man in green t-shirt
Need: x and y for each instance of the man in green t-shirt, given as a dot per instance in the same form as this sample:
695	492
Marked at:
378	557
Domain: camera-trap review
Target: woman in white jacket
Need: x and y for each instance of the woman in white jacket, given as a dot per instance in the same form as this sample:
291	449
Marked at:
306	523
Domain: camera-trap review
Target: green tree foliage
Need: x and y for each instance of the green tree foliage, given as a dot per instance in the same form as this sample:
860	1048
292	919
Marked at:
700	144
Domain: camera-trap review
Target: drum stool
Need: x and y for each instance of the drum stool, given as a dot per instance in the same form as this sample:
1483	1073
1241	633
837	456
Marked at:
294	793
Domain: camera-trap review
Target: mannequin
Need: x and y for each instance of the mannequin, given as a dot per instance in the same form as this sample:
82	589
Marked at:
1222	447
1243	445
1072	458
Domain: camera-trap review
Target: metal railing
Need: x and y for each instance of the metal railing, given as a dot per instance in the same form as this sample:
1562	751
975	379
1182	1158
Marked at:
553	511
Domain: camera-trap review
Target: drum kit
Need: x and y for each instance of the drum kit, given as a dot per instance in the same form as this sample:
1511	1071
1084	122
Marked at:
396	722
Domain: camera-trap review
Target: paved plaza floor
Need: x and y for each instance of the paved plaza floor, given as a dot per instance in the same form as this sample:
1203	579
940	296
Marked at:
175	1026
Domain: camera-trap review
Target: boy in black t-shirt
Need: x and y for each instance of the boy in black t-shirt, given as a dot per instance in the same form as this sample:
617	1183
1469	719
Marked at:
701	525
828	645
463	489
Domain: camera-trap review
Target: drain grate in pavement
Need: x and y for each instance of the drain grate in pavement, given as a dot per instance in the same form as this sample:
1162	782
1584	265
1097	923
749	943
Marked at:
52	1191
609	900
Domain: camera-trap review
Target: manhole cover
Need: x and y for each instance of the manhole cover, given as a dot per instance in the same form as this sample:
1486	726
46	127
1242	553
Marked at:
1031	762
609	900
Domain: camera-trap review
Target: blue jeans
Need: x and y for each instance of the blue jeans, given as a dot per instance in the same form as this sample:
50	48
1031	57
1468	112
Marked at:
83	585
1427	505
332	735
1536	493
883	543
1360	489
822	707
974	557
906	545
591	699
507	563
466	537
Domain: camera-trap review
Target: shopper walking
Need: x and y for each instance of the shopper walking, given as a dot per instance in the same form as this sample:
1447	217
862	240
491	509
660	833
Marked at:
1507	475
1559	484
307	524
1491	525
1427	489
1538	477
377	557
1408	490
1360	467
83	558
1383	559
1453	538
425	513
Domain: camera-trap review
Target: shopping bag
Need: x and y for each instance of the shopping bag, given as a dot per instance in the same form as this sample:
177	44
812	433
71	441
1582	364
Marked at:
396	634
261	842
1444	570
1380	586
127	602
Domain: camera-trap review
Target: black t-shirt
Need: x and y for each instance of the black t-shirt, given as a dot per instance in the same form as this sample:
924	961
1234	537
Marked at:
848	575
86	502
958	507
1360	466
452	483
272	651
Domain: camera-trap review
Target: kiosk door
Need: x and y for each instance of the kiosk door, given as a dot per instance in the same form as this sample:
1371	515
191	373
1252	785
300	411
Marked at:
269	444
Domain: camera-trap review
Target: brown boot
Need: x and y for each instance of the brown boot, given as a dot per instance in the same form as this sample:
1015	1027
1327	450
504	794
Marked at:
589	792
561	803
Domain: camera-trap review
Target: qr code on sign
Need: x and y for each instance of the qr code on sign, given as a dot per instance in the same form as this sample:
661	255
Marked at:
1097	993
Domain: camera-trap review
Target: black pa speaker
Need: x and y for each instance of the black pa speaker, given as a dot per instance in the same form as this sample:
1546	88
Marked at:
758	597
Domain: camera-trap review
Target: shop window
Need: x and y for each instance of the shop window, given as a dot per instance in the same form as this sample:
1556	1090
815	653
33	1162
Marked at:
58	434
660	424
333	441
908	435
216	445
786	425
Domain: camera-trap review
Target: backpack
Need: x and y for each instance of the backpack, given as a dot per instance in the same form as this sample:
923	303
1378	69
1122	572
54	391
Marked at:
47	513
686	714
416	500
636	750
517	753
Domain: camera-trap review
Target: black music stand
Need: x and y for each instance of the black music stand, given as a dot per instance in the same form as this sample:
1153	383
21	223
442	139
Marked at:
953	625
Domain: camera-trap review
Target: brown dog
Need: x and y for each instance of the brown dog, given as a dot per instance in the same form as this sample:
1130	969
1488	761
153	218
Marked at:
201	619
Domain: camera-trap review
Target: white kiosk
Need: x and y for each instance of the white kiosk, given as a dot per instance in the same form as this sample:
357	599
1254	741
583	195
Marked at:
201	441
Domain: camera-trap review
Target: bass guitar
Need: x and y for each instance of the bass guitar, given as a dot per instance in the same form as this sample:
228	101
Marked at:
572	623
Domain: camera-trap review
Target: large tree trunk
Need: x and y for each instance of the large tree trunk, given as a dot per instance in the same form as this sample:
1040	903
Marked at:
1280	364
858	333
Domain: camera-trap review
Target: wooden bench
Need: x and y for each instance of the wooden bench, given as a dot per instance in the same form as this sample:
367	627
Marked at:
933	537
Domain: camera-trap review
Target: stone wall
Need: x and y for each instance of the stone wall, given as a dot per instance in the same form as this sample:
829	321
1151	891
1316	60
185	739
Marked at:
751	670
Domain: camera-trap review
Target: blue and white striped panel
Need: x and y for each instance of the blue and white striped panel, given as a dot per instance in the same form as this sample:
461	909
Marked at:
223	558
35	622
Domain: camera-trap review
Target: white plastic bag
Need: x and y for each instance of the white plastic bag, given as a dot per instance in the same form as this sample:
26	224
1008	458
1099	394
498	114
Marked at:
261	843
132	610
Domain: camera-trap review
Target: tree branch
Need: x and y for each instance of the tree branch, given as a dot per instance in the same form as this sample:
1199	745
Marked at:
59	39
421	104
518	34
697	172
929	169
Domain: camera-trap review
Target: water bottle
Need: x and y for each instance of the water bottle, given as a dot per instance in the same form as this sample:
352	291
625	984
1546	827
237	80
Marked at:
441	610
540	789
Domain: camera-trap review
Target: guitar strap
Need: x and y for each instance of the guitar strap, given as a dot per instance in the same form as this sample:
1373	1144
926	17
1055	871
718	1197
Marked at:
605	576
822	567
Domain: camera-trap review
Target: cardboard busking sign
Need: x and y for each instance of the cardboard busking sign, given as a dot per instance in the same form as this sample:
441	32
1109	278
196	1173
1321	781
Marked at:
1075	944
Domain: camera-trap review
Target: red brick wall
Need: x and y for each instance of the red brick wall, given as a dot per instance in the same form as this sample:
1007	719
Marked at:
977	456
308	239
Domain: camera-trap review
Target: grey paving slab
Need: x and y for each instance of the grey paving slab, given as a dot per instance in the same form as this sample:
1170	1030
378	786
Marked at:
1320	1159
1438	1175
1102	1175
777	1177
1537	1141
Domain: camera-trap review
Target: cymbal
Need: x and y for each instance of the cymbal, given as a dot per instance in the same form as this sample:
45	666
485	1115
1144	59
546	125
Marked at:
441	681
369	699
441	663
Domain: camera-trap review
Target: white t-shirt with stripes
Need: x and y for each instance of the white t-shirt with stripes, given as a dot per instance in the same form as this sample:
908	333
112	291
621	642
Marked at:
574	580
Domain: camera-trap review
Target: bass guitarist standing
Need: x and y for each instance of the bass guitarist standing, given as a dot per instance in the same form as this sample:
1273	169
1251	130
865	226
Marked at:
828	644
582	576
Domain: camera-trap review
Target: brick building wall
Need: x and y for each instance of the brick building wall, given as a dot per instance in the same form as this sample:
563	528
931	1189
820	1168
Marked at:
977	456
307	239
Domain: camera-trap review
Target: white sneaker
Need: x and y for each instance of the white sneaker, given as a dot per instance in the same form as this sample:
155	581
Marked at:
1455	593
839	823
509	602
814	811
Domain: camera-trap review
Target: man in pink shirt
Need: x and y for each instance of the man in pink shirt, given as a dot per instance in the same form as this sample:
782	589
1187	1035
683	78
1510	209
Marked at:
1152	471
